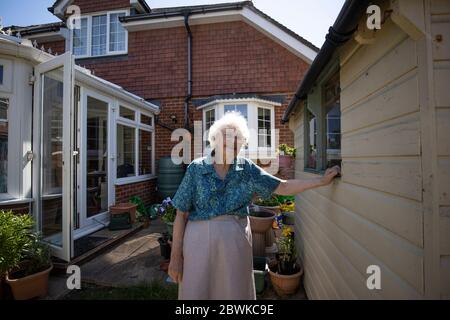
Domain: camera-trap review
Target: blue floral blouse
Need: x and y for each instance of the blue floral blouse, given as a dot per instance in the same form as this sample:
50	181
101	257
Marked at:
204	194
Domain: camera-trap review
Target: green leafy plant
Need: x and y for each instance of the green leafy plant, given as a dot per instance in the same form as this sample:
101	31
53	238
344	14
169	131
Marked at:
15	238
268	202
141	210
36	258
286	150
285	199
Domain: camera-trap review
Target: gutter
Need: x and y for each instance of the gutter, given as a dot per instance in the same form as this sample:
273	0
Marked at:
189	69
182	11
342	30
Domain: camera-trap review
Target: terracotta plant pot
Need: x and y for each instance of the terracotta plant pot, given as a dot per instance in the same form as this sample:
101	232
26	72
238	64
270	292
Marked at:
285	284
260	225
35	285
125	208
284	161
262	222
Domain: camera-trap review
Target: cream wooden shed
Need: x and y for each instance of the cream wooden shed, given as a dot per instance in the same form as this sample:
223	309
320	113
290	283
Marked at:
391	207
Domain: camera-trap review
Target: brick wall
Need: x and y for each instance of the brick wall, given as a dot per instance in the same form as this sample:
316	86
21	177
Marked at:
23	208
146	190
88	6
58	47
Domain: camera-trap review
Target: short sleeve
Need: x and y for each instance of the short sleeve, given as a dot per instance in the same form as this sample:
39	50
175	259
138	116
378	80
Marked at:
183	199
263	183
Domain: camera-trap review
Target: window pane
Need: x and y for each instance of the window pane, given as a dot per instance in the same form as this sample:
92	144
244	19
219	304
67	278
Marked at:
1	74
51	157
311	123
209	118
264	125
80	38
126	113
98	35
4	145
125	151
333	135
116	33
97	157
334	127
145	152
146	120
241	108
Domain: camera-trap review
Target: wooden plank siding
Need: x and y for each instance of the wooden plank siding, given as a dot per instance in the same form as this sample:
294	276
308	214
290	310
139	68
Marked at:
374	214
440	28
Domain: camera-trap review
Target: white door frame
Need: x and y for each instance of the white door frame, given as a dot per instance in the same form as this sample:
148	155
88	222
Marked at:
89	225
65	61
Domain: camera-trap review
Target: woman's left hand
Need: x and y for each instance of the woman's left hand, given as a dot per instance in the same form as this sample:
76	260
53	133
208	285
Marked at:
330	174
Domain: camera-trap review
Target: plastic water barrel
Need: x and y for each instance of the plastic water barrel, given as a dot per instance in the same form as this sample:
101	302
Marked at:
169	177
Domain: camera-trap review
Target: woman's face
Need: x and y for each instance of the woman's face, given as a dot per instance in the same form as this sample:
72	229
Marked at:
232	142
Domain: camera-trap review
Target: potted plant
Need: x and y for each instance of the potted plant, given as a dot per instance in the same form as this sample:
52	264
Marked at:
272	203
285	274
14	238
286	155
168	212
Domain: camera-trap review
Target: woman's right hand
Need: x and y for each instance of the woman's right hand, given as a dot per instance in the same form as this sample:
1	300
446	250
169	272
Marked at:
176	267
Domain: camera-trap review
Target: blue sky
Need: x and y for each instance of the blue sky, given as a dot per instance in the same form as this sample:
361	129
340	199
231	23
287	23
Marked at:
308	18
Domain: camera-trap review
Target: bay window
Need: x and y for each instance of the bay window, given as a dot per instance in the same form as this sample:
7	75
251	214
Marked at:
134	144
260	116
99	35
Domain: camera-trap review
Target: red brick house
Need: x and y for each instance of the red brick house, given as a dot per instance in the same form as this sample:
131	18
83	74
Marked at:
194	63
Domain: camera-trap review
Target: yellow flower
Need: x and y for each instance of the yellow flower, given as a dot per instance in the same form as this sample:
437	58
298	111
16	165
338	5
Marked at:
287	231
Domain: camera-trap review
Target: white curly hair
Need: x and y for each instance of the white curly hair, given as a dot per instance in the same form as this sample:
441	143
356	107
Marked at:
231	120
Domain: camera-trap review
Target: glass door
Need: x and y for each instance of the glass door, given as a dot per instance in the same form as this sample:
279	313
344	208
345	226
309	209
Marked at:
53	162
94	171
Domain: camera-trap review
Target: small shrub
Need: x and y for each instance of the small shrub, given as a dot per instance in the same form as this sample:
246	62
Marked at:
15	238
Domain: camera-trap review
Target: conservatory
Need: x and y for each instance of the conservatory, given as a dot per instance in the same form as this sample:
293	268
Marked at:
67	138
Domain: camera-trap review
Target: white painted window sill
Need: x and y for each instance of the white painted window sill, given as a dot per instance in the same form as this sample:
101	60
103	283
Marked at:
15	201
130	180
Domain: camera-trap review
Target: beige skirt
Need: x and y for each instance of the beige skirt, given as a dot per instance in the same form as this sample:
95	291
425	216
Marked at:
218	260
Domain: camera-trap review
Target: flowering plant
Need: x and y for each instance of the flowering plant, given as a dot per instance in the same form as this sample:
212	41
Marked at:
287	255
167	211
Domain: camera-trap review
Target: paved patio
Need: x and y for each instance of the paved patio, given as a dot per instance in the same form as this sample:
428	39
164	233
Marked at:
134	261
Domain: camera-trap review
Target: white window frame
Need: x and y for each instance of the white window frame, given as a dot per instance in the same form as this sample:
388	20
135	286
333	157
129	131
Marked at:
253	151
137	125
89	35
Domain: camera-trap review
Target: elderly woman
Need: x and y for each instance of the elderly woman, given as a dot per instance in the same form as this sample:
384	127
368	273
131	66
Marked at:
212	245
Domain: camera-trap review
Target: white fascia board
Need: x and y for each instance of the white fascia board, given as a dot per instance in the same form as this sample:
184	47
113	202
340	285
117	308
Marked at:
85	77
137	5
238	100
47	36
261	24
178	21
60	9
279	35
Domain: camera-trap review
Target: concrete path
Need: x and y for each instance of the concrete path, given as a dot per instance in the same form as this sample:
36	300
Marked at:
134	261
